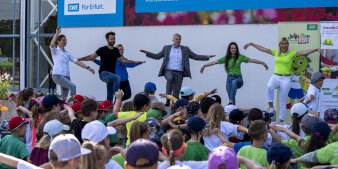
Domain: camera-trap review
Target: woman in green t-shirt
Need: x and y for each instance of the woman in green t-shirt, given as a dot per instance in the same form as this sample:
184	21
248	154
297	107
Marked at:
281	78
232	63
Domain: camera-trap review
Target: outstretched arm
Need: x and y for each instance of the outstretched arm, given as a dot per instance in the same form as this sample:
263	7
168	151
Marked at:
52	43
259	62
260	48
79	63
118	122
118	101
306	52
194	56
207	65
154	56
90	57
288	132
124	60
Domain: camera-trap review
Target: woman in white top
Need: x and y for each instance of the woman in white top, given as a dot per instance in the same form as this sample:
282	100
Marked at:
216	119
61	58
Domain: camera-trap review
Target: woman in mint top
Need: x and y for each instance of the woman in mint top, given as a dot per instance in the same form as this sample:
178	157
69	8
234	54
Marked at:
281	78
232	62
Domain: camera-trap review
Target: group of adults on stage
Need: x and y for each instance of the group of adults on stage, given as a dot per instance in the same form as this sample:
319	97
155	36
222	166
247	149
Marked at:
175	66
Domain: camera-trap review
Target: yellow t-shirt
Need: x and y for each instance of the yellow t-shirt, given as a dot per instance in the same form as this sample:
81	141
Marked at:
142	118
283	62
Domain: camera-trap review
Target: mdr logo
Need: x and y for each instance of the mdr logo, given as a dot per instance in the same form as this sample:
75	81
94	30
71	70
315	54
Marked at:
89	7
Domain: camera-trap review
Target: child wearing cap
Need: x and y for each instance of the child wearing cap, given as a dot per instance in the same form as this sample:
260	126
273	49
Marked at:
195	151
142	105
174	147
296	143
258	132
188	94
279	156
224	157
142	154
39	155
63	153
98	133
138	130
312	95
150	89
11	144
216	119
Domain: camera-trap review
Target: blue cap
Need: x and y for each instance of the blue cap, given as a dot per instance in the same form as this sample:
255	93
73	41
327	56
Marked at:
51	100
140	151
149	87
186	91
180	102
321	129
196	124
279	154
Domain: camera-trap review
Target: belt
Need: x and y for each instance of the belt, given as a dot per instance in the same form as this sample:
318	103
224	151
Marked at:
281	74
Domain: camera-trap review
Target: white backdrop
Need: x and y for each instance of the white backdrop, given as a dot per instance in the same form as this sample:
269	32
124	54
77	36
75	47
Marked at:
202	39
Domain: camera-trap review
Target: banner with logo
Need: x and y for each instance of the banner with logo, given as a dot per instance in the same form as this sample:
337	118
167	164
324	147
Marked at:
329	35
328	96
202	5
301	36
79	13
329	48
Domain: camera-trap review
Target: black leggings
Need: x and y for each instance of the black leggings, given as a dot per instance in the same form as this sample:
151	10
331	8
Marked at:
125	87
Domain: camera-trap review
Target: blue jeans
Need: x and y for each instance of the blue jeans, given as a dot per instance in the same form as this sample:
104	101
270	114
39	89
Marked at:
113	83
234	82
65	84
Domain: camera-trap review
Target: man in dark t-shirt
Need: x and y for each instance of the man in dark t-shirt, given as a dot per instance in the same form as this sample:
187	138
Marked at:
108	55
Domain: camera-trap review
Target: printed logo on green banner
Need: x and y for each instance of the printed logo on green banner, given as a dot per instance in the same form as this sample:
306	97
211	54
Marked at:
312	26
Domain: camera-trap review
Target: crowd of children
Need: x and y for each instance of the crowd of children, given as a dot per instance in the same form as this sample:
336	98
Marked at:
198	133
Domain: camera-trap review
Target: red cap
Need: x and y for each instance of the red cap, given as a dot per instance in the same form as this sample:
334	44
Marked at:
108	104
15	122
102	107
78	99
76	107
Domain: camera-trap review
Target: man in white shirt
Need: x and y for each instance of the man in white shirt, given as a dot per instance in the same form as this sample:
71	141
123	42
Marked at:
175	64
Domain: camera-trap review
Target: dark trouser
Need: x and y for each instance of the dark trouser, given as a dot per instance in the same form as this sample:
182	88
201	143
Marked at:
174	82
125	87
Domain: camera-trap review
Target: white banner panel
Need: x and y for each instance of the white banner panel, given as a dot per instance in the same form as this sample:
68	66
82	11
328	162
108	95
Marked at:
89	7
328	95
329	35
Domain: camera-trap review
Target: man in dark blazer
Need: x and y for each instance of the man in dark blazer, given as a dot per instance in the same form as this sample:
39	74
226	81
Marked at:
175	64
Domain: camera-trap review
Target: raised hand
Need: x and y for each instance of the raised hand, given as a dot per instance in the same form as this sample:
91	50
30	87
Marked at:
266	66
91	70
58	30
247	45
144	51
202	69
163	95
119	94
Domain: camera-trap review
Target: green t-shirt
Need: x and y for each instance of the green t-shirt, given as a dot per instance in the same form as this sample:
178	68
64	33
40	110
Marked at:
109	118
257	155
328	154
234	69
142	118
195	151
119	159
13	146
297	148
283	62
333	137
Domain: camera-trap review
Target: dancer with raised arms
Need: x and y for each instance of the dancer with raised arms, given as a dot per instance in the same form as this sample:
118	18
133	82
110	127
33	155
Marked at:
232	63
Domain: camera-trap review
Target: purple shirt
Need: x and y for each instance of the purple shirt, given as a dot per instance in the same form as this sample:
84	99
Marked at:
39	156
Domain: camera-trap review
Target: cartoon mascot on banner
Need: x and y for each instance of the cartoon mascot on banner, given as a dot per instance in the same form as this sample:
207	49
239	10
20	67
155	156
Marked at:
299	79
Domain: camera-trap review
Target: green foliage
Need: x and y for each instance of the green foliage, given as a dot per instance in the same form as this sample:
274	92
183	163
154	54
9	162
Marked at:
5	85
